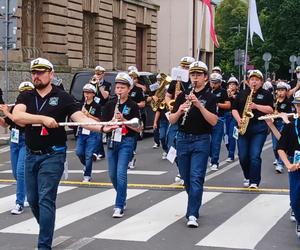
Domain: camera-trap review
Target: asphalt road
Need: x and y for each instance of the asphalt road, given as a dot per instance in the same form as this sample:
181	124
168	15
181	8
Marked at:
231	217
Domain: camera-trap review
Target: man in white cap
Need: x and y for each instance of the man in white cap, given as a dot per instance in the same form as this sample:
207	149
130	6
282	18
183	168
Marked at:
46	144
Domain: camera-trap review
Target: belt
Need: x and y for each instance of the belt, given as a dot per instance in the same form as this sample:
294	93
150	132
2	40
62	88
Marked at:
49	150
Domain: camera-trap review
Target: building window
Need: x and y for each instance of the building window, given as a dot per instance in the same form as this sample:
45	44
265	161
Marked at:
89	21
118	26
31	29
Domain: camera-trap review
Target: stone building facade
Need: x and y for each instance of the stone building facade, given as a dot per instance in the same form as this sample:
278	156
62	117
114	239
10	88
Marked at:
77	34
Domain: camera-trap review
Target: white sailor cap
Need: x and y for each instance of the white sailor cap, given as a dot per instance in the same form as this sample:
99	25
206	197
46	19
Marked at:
282	85
215	78
233	79
217	68
134	73
297	97
25	86
132	68
89	88
124	78
199	67
186	60
99	68
41	64
256	73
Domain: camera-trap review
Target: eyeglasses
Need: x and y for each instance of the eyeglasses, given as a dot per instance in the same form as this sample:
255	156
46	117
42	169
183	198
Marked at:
38	73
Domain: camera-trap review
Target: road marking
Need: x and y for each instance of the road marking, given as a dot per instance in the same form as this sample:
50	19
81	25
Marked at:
4	149
146	172
232	165
80	243
3	186
60	239
131	172
146	224
250	224
73	212
6	203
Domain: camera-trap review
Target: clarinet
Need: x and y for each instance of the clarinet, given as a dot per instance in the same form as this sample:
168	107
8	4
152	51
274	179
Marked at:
187	109
111	142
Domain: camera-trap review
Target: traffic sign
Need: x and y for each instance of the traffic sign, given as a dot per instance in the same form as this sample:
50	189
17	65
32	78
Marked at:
267	57
293	58
298	60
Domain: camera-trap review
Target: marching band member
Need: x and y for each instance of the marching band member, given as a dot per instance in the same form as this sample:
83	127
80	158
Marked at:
121	141
46	145
282	104
172	93
195	115
87	140
218	70
137	95
103	89
218	130
294	84
230	122
17	150
253	101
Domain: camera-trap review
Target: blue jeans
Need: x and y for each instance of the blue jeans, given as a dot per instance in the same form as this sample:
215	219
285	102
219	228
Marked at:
118	159
192	156
216	140
163	128
171	134
230	123
42	176
99	148
250	147
279	125
85	146
17	157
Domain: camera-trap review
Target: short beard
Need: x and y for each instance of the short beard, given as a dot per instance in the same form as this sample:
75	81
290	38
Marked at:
40	85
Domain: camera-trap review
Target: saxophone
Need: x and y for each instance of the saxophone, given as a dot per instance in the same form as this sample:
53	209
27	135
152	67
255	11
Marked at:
247	114
160	93
177	89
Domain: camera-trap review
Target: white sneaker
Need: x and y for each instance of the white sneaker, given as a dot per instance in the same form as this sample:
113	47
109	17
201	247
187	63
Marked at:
253	186
164	155
86	179
26	204
99	157
118	213
131	164
229	160
155	145
17	210
292	216
246	183
279	169
192	222
214	167
275	162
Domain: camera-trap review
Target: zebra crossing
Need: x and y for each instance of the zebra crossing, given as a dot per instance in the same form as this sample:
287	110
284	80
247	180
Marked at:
154	217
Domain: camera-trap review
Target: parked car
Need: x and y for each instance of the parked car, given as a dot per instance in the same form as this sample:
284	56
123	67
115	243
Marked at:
146	78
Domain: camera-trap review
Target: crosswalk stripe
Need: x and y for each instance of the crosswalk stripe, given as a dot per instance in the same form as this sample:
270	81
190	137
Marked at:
3	186
60	239
132	172
250	224
80	243
151	221
73	212
6	203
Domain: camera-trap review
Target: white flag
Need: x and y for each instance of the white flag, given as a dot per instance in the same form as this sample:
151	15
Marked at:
254	22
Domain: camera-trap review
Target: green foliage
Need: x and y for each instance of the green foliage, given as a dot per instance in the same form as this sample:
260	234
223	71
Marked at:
280	22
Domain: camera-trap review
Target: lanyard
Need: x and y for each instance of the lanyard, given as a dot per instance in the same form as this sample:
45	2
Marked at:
37	105
296	130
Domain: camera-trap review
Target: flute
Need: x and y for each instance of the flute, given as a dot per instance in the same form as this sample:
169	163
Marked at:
134	122
265	117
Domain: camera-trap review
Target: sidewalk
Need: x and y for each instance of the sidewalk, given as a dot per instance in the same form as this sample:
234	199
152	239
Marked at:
4	136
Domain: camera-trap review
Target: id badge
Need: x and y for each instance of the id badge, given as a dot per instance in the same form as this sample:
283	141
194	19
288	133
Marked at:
167	114
171	156
85	131
296	157
14	135
235	133
118	135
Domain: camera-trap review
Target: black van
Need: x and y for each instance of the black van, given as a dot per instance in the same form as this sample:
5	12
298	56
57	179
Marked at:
146	78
